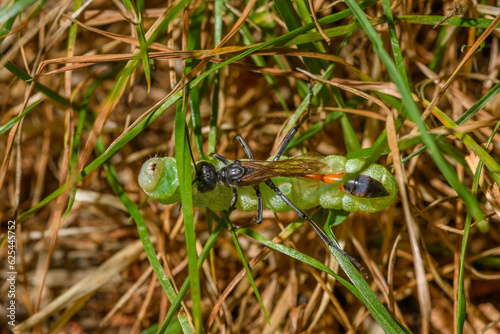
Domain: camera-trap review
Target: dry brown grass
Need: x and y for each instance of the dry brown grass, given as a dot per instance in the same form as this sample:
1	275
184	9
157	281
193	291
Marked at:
94	277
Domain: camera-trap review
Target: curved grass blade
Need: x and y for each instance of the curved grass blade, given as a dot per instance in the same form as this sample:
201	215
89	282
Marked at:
491	164
475	22
296	254
414	113
365	293
249	274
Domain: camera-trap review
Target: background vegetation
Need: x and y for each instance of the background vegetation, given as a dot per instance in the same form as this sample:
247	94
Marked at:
91	89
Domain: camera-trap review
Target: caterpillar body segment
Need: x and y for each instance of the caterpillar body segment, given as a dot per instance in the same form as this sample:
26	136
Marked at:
158	178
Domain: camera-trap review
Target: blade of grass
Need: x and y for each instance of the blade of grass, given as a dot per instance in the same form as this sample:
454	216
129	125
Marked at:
365	293
176	303
6	27
113	181
439	50
75	141
461	297
396	48
194	43
414	114
10	123
479	104
15	8
490	163
183	158
214	115
141	36
299	256
249	274
293	22
453	21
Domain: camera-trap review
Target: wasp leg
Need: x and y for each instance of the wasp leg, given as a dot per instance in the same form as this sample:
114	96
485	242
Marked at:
234	200
318	230
245	146
292	132
257	220
221	158
232	206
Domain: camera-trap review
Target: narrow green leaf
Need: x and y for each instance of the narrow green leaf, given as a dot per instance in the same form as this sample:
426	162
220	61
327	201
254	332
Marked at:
432	20
176	303
396	48
365	293
184	169
15	8
10	123
249	274
414	113
113	181
461	298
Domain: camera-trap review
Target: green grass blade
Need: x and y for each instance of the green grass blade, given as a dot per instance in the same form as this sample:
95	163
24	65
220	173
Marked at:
490	163
297	255
6	27
137	20
467	22
249	274
479	104
10	123
214	115
293	22
414	114
15	8
365	293
194	43
113	181
176	303
396	48
184	169
461	298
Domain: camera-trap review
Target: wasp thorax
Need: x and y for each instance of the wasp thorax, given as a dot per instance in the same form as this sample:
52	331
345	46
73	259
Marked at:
150	174
231	175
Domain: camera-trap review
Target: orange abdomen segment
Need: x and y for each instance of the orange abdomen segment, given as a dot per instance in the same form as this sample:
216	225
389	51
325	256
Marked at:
327	178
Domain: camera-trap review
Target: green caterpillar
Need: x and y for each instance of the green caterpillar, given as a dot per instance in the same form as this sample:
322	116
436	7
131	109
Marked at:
158	178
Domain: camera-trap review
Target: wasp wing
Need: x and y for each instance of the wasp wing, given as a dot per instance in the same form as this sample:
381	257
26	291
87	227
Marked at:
260	171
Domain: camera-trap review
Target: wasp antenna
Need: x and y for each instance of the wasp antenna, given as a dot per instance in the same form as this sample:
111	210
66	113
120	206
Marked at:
190	150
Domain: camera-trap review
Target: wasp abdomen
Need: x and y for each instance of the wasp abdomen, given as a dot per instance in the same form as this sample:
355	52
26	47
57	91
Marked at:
365	186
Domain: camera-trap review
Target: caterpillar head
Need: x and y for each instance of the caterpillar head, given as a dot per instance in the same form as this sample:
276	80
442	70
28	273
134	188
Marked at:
150	174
